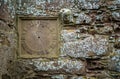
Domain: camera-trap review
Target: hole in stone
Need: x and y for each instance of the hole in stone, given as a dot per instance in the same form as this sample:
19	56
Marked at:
38	36
42	26
91	27
84	21
93	63
117	45
10	61
117	30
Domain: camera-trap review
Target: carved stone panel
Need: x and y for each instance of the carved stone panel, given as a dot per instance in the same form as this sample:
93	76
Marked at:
38	37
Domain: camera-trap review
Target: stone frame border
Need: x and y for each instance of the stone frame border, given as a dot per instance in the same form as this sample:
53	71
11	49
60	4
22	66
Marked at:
19	20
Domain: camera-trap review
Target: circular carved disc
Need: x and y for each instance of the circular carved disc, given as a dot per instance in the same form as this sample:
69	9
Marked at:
38	36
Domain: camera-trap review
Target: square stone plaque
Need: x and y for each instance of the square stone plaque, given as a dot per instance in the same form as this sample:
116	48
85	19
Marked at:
38	37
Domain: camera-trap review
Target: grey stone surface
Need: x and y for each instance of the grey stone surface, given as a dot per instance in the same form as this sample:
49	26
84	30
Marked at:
82	42
116	16
82	18
86	46
114	63
65	65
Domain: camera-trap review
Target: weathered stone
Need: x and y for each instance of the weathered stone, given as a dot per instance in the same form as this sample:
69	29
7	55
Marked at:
82	18
39	7
114	63
82	77
86	46
105	28
59	76
5	76
66	16
4	14
4	26
116	16
104	17
84	4
59	66
45	68
95	21
116	28
7	41
71	77
117	1
113	4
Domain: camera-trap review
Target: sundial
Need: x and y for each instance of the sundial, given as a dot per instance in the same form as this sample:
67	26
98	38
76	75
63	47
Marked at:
38	38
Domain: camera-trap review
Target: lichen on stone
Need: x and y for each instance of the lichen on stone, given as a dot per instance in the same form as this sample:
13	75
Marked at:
86	46
66	65
82	18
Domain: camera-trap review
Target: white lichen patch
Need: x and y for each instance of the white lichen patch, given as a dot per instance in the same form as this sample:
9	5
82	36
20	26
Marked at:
86	46
92	4
58	76
82	17
116	2
66	65
116	15
116	59
68	36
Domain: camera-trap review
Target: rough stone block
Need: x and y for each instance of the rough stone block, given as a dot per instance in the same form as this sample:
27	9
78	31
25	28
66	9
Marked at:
82	18
4	14
59	66
116	16
38	37
93	4
87	45
114	62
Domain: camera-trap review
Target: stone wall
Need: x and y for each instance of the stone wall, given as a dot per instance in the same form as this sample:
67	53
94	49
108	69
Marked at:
90	40
7	40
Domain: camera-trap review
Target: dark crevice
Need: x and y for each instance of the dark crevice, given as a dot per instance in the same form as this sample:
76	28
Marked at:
5	76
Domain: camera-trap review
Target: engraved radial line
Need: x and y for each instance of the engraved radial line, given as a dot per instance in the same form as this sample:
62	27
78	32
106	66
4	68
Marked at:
38	31
42	46
39	37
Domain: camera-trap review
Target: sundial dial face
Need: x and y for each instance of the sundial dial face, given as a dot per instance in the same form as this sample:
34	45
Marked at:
38	38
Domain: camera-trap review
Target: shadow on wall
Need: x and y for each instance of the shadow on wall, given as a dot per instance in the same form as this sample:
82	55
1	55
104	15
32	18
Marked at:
5	76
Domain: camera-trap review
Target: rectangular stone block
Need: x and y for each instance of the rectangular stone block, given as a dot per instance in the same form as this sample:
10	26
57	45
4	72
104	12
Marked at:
38	37
81	45
66	66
